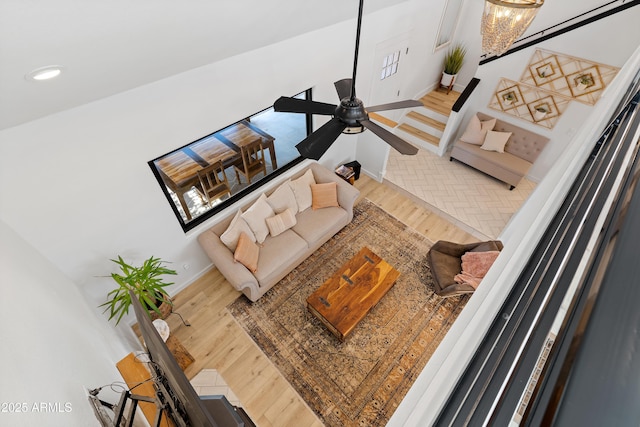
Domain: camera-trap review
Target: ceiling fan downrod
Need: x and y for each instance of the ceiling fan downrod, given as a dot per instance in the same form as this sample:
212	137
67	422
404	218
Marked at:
355	55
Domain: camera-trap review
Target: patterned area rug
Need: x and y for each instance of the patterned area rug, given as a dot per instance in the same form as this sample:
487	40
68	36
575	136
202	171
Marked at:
359	382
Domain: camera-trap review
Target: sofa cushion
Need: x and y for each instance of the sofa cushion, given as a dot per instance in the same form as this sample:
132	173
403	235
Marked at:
504	160
474	134
247	252
324	195
256	217
476	130
495	141
281	222
302	190
283	198
313	225
276	255
232	233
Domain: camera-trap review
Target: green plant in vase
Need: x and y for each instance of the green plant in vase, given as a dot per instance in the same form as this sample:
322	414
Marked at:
453	60
145	281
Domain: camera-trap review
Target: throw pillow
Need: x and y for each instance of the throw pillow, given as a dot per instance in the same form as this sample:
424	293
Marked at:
283	199
282	222
495	141
302	190
256	216
247	252
488	125
232	233
324	195
474	133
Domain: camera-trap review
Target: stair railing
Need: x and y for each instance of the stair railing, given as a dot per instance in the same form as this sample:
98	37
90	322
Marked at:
456	116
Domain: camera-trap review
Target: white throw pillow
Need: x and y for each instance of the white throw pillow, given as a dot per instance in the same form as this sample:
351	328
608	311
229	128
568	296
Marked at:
488	125
495	141
283	199
256	217
302	190
473	134
476	130
282	222
232	233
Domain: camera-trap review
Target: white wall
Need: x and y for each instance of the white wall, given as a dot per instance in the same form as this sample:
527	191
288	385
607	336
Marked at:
76	185
53	344
76	190
595	42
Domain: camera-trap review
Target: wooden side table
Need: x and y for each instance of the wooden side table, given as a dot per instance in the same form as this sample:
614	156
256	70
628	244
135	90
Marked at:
136	375
183	357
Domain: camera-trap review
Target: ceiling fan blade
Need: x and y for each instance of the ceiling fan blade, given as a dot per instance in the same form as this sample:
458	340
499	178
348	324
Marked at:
296	105
316	144
343	87
395	105
393	140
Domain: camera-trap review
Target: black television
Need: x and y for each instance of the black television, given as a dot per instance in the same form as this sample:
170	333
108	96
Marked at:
176	395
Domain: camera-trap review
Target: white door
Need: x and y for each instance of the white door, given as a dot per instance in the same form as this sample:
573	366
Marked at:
390	65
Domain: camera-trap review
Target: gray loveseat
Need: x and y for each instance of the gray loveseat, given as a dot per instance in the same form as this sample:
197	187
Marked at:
280	254
521	150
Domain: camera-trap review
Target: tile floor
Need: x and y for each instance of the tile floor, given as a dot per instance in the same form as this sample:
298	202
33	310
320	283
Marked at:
474	201
209	382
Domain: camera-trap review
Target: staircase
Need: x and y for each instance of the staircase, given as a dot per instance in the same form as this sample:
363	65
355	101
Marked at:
424	125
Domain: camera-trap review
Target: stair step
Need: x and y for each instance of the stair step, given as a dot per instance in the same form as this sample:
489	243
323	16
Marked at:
439	101
424	136
382	119
414	115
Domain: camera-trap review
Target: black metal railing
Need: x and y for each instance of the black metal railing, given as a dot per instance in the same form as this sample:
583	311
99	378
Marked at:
494	383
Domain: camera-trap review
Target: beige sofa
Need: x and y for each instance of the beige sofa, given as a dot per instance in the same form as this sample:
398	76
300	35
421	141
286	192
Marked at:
521	150
280	254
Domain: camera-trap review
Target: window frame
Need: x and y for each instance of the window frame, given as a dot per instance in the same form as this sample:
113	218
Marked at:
196	221
448	16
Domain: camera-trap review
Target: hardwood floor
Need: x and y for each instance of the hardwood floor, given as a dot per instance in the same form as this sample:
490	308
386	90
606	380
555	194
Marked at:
217	342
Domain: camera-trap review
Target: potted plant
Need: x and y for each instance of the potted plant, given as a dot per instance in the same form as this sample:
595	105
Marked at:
540	113
508	98
544	71
584	81
147	284
452	64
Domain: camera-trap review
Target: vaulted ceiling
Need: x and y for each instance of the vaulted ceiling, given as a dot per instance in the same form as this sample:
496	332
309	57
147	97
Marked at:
107	47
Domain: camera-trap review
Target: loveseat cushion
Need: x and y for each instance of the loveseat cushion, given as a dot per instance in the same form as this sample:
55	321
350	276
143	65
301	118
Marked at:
276	254
313	225
506	161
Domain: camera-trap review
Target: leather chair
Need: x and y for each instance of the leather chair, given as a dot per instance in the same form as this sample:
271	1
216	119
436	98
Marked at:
445	261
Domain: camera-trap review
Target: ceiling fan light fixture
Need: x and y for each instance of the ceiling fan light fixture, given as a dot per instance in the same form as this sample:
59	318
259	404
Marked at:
44	73
503	21
353	129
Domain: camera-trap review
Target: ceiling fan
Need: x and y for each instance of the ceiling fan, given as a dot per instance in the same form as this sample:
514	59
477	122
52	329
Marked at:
350	116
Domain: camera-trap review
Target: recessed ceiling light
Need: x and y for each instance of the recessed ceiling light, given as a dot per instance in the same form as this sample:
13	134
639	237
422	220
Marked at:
44	73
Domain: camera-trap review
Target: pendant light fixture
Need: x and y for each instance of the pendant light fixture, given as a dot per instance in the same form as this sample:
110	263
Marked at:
503	21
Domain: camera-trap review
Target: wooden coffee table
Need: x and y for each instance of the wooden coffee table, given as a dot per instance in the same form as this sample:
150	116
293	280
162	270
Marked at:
347	296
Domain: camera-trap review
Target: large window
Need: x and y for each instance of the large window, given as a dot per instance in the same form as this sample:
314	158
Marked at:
206	175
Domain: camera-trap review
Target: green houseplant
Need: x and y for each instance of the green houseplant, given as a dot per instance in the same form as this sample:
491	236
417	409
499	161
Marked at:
453	60
540	113
145	281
